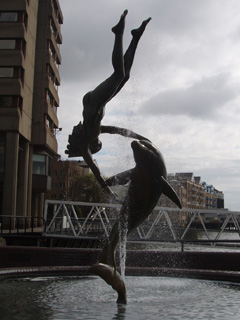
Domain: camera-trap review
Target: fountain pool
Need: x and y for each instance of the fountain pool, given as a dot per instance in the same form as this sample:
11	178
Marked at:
55	298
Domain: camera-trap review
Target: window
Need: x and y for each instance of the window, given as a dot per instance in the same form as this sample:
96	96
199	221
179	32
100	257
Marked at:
8	16
6	72
49	97
11	101
50	73
50	124
53	26
62	185
19	16
47	121
53	53
13	44
40	164
6	101
2	152
12	72
7	43
52	76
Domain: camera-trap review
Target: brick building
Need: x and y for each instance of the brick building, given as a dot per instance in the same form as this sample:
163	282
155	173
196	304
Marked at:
63	174
193	193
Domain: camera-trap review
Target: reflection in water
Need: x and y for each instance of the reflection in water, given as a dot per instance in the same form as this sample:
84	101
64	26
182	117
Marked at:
69	298
121	312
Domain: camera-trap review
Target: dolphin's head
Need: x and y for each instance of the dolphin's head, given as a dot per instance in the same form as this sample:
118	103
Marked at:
146	155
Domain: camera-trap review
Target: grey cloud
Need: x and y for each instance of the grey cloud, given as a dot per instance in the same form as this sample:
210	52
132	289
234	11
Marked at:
203	98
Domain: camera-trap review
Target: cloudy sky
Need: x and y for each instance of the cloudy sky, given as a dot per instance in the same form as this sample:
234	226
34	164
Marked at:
184	90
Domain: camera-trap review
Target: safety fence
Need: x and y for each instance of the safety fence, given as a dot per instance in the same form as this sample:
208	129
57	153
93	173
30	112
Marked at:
21	224
96	220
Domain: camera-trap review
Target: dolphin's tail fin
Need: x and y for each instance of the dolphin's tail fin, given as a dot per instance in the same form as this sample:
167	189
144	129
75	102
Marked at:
170	193
112	277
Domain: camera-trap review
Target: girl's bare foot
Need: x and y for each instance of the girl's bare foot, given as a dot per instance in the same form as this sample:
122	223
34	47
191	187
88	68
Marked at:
138	32
121	24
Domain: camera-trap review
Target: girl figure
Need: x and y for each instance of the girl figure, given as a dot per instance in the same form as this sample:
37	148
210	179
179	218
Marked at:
84	140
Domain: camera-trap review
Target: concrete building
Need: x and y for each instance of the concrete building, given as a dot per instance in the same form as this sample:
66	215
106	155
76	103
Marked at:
214	197
193	193
30	37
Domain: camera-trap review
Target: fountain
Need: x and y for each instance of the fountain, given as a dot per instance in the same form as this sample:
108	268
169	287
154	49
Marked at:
147	179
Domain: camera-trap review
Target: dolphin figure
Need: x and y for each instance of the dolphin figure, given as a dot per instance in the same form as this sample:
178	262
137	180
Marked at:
147	183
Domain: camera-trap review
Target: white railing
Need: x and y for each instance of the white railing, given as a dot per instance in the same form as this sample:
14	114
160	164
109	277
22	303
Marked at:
64	217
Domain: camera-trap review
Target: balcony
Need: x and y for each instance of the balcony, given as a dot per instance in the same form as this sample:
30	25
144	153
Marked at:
12	30
19	5
11	58
11	86
41	183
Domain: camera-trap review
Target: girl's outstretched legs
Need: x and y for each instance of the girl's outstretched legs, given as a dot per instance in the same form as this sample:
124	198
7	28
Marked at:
130	53
106	90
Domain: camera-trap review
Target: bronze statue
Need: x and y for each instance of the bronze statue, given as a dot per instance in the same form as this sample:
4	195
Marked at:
84	140
147	179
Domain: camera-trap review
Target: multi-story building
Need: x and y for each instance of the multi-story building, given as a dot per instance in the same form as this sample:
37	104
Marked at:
30	37
214	197
189	189
193	193
219	198
63	174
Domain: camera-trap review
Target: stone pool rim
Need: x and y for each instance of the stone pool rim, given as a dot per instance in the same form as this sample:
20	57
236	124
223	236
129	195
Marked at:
40	261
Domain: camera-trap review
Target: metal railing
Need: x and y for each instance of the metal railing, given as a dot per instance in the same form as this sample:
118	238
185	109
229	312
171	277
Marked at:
21	224
66	217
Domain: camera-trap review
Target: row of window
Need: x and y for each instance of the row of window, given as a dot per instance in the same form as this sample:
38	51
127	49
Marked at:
50	124
58	185
53	53
60	197
12	72
57	12
52	76
17	16
11	101
13	44
41	163
54	30
50	100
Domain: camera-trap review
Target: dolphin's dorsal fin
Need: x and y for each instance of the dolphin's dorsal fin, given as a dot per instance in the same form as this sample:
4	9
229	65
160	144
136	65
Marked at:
170	192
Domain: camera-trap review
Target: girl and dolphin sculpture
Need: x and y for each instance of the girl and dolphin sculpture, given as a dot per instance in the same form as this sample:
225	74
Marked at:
147	179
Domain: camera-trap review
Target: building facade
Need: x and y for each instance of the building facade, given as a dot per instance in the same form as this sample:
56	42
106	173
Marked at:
193	193
30	37
63	173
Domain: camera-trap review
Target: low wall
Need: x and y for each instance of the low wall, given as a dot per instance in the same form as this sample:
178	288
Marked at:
51	261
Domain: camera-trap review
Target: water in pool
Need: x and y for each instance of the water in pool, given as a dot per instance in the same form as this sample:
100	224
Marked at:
91	298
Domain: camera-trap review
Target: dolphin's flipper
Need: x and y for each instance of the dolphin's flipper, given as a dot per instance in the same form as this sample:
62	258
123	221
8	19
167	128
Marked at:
120	178
170	192
112	277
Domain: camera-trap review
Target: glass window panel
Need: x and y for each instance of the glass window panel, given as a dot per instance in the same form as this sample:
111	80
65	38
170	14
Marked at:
8	16
39	164
7	43
6	72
